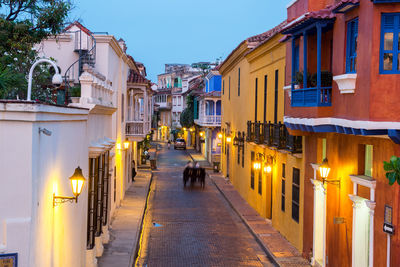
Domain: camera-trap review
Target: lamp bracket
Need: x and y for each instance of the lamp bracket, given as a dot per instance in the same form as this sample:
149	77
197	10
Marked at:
335	182
58	200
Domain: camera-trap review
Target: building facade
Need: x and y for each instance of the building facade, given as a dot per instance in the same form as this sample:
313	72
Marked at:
342	67
263	162
89	130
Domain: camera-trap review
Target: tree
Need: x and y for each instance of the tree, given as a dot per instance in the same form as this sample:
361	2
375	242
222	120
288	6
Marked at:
187	118
24	23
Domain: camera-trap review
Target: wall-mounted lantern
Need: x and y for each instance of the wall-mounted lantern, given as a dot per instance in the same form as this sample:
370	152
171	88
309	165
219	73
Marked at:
220	135
201	134
229	139
236	141
267	160
184	128
118	146
77	182
126	144
324	170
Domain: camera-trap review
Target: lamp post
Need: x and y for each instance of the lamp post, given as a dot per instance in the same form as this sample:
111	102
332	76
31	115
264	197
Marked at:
56	80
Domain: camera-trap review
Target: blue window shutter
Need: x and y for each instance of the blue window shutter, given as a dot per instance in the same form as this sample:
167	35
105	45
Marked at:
296	59
390	23
351	46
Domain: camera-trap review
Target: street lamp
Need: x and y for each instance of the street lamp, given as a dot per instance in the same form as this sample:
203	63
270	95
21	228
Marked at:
324	170
56	80
126	144
228	139
220	135
77	182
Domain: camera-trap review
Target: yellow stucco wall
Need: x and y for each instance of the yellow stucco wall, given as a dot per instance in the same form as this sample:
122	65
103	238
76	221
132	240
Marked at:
237	110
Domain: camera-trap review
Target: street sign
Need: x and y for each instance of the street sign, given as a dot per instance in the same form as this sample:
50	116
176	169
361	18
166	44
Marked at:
388	214
9	260
388	228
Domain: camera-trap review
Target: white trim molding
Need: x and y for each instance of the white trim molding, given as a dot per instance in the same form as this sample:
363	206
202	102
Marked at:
368	125
346	83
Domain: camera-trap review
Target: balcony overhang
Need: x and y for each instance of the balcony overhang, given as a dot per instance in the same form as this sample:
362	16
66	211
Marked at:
308	22
345	6
344	126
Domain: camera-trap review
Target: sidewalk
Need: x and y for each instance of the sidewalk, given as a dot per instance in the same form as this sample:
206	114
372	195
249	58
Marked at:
277	247
126	224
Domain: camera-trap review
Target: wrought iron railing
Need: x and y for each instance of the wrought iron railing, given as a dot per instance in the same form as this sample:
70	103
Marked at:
273	135
137	128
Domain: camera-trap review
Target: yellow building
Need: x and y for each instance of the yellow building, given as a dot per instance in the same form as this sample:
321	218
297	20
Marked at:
262	161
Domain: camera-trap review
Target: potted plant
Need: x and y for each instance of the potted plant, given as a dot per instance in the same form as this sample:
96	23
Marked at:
392	169
298	79
326	79
75	94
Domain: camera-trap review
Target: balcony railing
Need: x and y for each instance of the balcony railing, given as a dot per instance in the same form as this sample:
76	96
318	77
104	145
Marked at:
311	97
209	120
137	128
273	135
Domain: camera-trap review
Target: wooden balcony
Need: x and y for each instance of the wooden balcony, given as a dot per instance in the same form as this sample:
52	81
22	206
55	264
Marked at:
138	129
273	135
209	120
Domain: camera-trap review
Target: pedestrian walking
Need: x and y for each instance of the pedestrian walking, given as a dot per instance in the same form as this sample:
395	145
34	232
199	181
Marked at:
169	144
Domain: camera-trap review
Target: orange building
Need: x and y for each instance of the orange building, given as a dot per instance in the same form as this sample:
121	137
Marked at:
342	84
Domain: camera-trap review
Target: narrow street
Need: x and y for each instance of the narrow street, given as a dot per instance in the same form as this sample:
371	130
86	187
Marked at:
192	226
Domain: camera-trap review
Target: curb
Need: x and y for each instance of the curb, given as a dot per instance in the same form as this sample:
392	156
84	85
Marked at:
135	253
270	255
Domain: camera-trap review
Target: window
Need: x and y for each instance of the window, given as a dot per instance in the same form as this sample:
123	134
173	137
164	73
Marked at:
351	49
296	58
229	88
260	182
368	160
265	97
323	149
255	101
243	152
295	194
239	82
252	170
276	97
283	187
238	151
122	107
390	45
223	87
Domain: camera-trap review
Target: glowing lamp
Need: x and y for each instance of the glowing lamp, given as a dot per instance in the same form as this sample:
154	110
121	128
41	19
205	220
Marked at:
191	130
77	181
126	144
228	139
201	134
184	128
235	141
324	169
118	146
257	165
267	169
220	135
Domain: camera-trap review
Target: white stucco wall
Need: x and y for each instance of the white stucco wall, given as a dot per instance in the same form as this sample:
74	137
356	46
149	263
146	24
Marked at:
33	167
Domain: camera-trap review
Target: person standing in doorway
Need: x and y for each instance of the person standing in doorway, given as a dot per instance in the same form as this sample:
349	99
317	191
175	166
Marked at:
133	171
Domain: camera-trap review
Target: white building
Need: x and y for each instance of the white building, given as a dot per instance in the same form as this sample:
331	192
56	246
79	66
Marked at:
114	106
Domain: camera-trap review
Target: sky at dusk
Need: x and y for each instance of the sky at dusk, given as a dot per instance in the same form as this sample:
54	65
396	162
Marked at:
179	31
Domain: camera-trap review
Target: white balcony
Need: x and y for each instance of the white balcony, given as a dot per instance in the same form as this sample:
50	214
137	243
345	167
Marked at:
209	120
137	130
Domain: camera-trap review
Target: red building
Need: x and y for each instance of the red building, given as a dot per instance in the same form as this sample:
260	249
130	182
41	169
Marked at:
342	95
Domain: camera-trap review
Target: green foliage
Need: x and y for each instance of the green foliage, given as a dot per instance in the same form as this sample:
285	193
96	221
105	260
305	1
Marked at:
23	24
298	78
326	79
187	119
392	169
75	91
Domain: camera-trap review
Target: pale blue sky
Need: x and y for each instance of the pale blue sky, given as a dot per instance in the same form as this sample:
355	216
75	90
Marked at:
179	31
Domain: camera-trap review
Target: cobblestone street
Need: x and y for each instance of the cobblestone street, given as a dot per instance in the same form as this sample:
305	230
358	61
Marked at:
192	226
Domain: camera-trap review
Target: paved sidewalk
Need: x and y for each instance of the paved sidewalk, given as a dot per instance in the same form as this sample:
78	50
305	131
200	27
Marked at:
278	247
126	224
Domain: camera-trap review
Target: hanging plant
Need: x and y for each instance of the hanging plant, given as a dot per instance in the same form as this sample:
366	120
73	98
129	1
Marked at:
392	169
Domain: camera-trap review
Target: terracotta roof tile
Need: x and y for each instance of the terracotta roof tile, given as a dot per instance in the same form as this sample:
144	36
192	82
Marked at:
80	26
135	77
325	13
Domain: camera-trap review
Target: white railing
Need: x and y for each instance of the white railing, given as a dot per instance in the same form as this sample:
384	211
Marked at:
137	128
209	120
